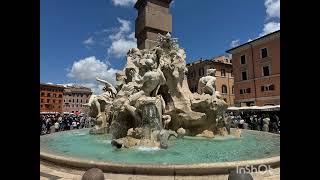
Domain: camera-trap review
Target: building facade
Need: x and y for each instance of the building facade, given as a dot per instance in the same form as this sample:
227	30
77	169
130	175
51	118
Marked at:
74	97
256	67
51	97
153	17
224	75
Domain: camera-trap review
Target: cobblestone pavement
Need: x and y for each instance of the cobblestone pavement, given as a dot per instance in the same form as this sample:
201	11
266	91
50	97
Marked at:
53	172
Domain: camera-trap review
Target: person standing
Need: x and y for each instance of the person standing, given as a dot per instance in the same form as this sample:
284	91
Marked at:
56	125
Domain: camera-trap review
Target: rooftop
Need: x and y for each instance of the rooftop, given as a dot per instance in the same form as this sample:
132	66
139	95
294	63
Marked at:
217	59
262	37
51	85
77	89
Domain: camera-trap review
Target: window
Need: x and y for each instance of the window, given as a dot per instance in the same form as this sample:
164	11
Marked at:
48	95
77	101
224	89
223	72
73	100
59	101
245	91
42	100
231	73
60	95
54	95
267	88
41	106
42	94
232	90
201	72
86	101
70	100
264	53
64	100
77	105
54	101
81	100
48	100
59	107
271	87
244	75
243	59
266	71
230	60
81	95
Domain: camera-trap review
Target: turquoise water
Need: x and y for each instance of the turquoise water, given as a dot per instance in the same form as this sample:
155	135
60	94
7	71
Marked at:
190	150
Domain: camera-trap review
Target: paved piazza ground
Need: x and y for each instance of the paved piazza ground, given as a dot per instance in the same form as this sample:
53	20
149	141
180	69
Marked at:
52	172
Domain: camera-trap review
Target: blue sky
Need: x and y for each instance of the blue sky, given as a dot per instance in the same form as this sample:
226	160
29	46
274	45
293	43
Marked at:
82	39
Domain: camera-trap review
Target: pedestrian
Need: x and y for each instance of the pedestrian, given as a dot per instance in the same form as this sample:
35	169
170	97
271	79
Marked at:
57	125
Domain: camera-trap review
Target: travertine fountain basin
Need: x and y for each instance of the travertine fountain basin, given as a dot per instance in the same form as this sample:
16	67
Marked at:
186	156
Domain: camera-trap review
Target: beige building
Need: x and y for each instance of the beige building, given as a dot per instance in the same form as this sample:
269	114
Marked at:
74	97
224	75
256	67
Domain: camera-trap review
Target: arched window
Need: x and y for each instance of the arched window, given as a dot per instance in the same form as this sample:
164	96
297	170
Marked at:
224	89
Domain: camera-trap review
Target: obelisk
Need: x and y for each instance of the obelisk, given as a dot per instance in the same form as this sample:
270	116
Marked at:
153	17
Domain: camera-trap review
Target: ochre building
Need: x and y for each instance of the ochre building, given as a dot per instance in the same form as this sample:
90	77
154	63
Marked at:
256	67
224	75
51	97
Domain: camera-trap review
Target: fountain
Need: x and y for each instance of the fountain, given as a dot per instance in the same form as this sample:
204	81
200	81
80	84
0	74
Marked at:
151	123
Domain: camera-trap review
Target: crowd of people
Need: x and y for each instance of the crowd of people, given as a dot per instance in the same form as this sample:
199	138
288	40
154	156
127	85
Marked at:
61	122
259	121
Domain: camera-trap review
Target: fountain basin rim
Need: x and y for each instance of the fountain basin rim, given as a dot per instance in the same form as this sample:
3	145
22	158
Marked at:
159	169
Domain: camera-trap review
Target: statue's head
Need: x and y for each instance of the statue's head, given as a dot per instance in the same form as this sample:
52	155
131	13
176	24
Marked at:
134	51
211	72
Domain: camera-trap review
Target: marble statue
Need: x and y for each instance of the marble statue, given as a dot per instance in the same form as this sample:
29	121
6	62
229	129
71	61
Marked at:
101	107
207	83
152	102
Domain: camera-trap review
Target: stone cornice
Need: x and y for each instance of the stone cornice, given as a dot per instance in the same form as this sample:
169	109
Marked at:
261	40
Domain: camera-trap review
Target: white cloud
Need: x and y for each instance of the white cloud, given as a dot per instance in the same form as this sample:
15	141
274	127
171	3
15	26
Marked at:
120	47
235	43
122	40
273	11
131	36
85	71
89	41
126	3
270	27
49	83
273	8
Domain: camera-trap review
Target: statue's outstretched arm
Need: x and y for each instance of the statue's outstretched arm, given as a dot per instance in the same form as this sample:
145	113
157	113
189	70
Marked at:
103	81
107	84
